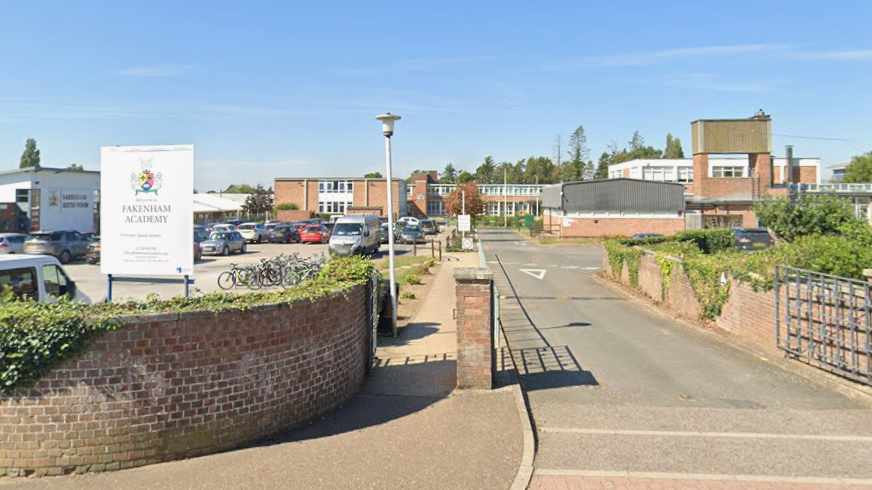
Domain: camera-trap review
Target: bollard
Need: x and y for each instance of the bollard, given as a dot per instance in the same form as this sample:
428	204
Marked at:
432	249
440	251
415	247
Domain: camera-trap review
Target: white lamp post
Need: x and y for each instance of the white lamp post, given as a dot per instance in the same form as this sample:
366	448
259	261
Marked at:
388	130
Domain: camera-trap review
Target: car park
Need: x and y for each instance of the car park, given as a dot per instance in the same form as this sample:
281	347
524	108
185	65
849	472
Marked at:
224	243
42	279
254	232
751	239
314	234
284	233
66	245
12	243
412	234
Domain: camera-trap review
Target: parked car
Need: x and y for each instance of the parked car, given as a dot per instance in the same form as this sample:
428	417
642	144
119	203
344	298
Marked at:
201	233
41	279
412	234
285	232
639	236
299	225
235	222
223	243
93	255
198	251
751	239
408	220
225	227
254	232
12	243
66	245
355	234
428	226
383	232
314	234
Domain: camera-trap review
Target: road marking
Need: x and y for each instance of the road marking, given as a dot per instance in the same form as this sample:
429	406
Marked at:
537	273
731	435
570	267
702	476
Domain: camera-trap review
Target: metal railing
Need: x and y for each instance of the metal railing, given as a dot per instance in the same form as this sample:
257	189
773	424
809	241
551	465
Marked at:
834	188
825	320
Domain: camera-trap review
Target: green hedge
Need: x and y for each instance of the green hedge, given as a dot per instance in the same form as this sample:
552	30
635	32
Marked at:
37	337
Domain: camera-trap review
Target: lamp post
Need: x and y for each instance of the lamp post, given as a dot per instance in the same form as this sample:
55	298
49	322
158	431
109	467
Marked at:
388	130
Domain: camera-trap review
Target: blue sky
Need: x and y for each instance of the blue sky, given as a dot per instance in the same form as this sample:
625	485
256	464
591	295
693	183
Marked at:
283	89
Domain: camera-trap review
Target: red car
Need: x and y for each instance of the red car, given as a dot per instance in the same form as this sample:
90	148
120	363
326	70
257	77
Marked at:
314	234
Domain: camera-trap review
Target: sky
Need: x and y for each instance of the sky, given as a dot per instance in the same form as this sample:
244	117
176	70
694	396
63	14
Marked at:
291	89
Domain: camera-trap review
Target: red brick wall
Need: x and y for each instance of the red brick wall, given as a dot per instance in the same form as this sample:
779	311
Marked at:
293	214
174	386
8	217
475	360
590	227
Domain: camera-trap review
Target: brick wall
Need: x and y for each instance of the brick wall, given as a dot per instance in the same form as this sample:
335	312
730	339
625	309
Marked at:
475	361
293	214
8	217
590	227
173	386
747	314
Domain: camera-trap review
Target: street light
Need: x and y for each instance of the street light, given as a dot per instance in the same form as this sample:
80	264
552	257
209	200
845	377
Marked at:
388	130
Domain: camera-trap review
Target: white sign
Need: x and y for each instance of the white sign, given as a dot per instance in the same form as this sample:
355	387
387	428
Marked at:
567	222
147	210
464	223
467	243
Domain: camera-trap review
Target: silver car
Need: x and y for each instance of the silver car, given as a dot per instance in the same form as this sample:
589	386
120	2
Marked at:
223	243
66	245
12	243
255	232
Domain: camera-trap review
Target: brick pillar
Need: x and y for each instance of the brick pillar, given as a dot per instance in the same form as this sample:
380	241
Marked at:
700	174
475	343
760	167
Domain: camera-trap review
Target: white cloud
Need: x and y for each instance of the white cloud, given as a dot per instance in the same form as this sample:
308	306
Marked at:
848	55
648	58
168	70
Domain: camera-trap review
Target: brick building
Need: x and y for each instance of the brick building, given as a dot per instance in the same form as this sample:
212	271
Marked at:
340	195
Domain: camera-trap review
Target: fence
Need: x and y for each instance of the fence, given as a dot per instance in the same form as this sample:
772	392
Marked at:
825	320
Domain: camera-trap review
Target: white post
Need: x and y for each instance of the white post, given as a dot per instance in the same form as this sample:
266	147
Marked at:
463	208
393	281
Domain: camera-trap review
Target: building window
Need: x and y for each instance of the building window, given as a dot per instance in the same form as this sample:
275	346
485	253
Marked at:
435	208
721	172
660	174
22	195
335	186
685	174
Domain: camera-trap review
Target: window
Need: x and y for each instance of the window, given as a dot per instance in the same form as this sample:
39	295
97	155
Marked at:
335	186
661	174
55	281
722	172
21	281
22	195
685	174
435	208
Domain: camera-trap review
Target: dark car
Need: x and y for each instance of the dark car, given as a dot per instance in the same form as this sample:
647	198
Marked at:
63	244
383	232
751	239
639	236
284	233
428	226
412	234
201	233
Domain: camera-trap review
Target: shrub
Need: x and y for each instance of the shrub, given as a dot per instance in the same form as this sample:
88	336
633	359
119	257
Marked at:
287	206
422	269
413	279
812	215
407	295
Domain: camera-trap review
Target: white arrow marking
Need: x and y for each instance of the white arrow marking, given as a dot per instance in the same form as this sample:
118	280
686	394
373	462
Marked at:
537	273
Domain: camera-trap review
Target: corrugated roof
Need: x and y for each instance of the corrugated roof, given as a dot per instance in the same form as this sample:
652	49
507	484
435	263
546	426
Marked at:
615	195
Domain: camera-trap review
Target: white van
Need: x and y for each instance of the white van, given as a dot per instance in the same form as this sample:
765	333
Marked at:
409	220
38	277
355	235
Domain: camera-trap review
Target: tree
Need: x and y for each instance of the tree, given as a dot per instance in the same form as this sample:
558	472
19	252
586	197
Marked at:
449	175
541	170
465	177
486	172
78	167
558	151
813	215
373	175
239	189
860	169
602	168
673	147
30	157
475	205
578	167
258	202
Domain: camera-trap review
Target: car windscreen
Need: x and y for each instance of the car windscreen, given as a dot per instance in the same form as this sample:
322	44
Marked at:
200	234
412	228
52	237
219	236
313	229
348	229
752	237
245	227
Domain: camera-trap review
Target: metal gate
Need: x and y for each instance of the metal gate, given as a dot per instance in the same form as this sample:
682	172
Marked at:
825	320
372	318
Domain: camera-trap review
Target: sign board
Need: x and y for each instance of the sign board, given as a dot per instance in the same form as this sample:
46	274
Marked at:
147	210
466	244
464	223
528	221
567	222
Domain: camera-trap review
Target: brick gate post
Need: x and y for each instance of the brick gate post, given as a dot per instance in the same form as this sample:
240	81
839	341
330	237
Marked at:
475	343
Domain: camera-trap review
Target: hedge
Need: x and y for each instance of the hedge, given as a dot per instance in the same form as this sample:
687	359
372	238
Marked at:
37	337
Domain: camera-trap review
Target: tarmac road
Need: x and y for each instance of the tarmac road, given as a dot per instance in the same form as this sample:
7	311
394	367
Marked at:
617	389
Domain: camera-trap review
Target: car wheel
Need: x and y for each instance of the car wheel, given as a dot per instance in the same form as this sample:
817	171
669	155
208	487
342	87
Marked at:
259	238
242	250
64	257
226	251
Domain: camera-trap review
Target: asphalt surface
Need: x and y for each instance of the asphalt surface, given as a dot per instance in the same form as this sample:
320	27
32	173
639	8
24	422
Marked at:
614	386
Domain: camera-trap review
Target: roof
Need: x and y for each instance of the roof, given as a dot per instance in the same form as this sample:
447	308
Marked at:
335	178
34	170
621	194
209	203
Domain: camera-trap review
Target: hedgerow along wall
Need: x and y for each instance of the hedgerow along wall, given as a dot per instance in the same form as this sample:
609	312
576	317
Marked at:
171	386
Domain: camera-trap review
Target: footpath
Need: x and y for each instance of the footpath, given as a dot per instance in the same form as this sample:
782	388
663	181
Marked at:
408	427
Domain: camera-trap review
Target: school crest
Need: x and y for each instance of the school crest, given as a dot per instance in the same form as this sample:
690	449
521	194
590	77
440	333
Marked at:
147	181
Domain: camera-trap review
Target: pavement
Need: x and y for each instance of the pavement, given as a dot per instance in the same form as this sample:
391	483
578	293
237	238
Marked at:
407	428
